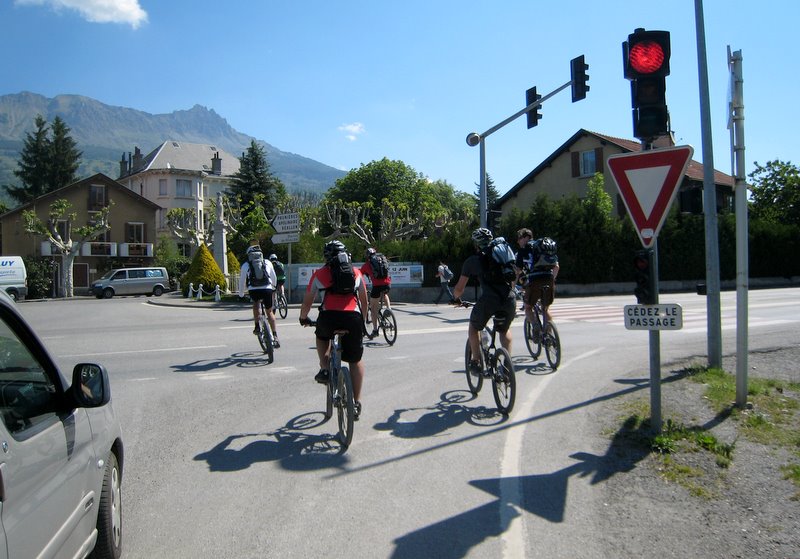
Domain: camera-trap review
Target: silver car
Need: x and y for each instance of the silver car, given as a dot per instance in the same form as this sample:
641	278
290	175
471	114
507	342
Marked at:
60	452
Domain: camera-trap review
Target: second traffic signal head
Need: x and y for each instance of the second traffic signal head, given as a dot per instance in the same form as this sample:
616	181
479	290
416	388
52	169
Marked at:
646	289
533	115
578	69
646	53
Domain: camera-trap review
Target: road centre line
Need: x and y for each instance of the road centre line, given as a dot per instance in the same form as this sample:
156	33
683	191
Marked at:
192	348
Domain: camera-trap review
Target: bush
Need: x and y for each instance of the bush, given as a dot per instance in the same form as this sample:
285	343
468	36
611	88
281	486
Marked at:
40	276
203	270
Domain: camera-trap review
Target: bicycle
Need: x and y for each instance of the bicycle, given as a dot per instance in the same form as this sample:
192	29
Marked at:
265	334
339	389
543	333
281	304
496	363
387	323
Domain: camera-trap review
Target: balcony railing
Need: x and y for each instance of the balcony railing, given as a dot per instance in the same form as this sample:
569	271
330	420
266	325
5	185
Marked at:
99	249
136	250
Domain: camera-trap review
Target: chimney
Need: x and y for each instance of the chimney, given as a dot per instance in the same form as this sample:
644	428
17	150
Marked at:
216	164
137	159
123	166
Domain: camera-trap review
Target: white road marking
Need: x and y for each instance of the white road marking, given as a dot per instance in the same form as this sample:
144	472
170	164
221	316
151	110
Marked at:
512	517
192	348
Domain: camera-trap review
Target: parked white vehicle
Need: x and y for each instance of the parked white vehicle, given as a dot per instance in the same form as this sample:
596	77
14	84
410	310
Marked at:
13	277
61	452
132	281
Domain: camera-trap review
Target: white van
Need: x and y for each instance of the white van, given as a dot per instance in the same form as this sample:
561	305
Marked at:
13	277
132	281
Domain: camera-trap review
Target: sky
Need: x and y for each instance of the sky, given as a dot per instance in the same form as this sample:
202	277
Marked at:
348	82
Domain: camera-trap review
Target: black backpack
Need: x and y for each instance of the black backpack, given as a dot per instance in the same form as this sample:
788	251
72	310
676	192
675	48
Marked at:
257	275
499	262
279	269
380	266
344	277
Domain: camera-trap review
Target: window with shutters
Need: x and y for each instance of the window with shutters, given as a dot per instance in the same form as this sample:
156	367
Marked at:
587	163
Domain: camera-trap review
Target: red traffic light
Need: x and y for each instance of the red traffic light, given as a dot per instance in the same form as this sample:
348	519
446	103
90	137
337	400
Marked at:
646	57
646	53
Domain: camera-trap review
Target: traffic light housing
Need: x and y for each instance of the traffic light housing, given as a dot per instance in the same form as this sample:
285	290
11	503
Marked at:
578	69
646	289
533	115
646	63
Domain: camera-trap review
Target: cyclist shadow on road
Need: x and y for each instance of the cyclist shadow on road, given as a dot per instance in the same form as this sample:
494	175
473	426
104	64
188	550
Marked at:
289	445
243	360
435	420
530	366
544	495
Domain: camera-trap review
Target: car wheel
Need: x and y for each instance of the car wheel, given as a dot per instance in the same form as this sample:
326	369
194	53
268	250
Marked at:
109	515
13	293
108	293
158	291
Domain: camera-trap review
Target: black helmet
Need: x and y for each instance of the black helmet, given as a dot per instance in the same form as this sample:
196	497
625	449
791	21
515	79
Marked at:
332	249
482	237
548	246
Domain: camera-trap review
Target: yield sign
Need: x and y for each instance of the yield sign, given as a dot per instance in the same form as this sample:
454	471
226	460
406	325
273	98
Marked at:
648	181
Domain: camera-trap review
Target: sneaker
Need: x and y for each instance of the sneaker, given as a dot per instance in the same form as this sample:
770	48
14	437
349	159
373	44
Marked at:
322	376
257	330
475	368
374	334
357	410
275	342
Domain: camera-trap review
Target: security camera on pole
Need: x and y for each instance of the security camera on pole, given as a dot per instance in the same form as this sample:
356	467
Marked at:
533	102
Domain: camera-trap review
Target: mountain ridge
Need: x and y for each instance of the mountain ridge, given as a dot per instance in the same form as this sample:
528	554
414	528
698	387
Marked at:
105	133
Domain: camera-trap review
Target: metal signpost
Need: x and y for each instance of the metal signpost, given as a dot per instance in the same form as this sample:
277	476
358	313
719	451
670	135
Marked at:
648	182
287	229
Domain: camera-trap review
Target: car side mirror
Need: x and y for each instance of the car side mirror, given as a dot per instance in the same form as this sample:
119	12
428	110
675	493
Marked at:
90	385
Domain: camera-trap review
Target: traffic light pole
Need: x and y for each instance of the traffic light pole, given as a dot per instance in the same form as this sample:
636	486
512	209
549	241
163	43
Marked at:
655	355
474	139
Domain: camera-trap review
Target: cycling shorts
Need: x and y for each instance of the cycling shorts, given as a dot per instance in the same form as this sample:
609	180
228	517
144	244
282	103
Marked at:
503	310
376	291
330	321
533	291
261	295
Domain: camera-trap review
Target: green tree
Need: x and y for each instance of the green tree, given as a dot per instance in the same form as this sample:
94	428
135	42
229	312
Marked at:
33	165
65	157
775	192
254	178
60	215
492	195
166	254
203	271
46	163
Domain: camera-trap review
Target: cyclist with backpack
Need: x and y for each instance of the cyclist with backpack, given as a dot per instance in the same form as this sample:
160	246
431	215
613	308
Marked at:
492	264
344	294
280	272
257	276
376	268
537	262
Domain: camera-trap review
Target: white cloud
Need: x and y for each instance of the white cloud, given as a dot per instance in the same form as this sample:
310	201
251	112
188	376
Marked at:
97	11
352	131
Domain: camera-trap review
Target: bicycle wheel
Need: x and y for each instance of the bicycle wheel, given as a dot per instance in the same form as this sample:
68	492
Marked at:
533	342
552	345
345	407
504	381
283	307
389	326
475	382
265	339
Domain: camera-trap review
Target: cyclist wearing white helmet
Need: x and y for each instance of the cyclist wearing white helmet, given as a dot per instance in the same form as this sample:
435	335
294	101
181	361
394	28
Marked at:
257	277
496	299
280	272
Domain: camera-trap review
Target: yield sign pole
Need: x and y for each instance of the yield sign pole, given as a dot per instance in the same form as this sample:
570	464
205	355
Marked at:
648	182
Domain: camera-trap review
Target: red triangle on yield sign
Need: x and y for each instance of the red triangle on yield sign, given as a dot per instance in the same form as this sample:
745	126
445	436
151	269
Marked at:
648	182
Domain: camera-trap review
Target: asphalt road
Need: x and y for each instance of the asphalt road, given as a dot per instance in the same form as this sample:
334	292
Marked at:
228	456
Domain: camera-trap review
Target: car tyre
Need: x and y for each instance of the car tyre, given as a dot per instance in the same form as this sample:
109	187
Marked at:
158	291
109	514
108	293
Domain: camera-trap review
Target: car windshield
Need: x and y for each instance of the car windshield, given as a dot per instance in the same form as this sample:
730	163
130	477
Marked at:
108	274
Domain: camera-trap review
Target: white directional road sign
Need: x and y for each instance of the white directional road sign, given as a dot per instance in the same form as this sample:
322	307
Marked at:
284	238
653	317
286	223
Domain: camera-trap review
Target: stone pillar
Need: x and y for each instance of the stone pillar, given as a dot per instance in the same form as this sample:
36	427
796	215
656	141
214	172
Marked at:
220	245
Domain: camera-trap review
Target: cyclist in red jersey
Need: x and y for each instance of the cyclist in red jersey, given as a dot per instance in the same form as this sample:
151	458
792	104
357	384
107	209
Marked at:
337	312
380	288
